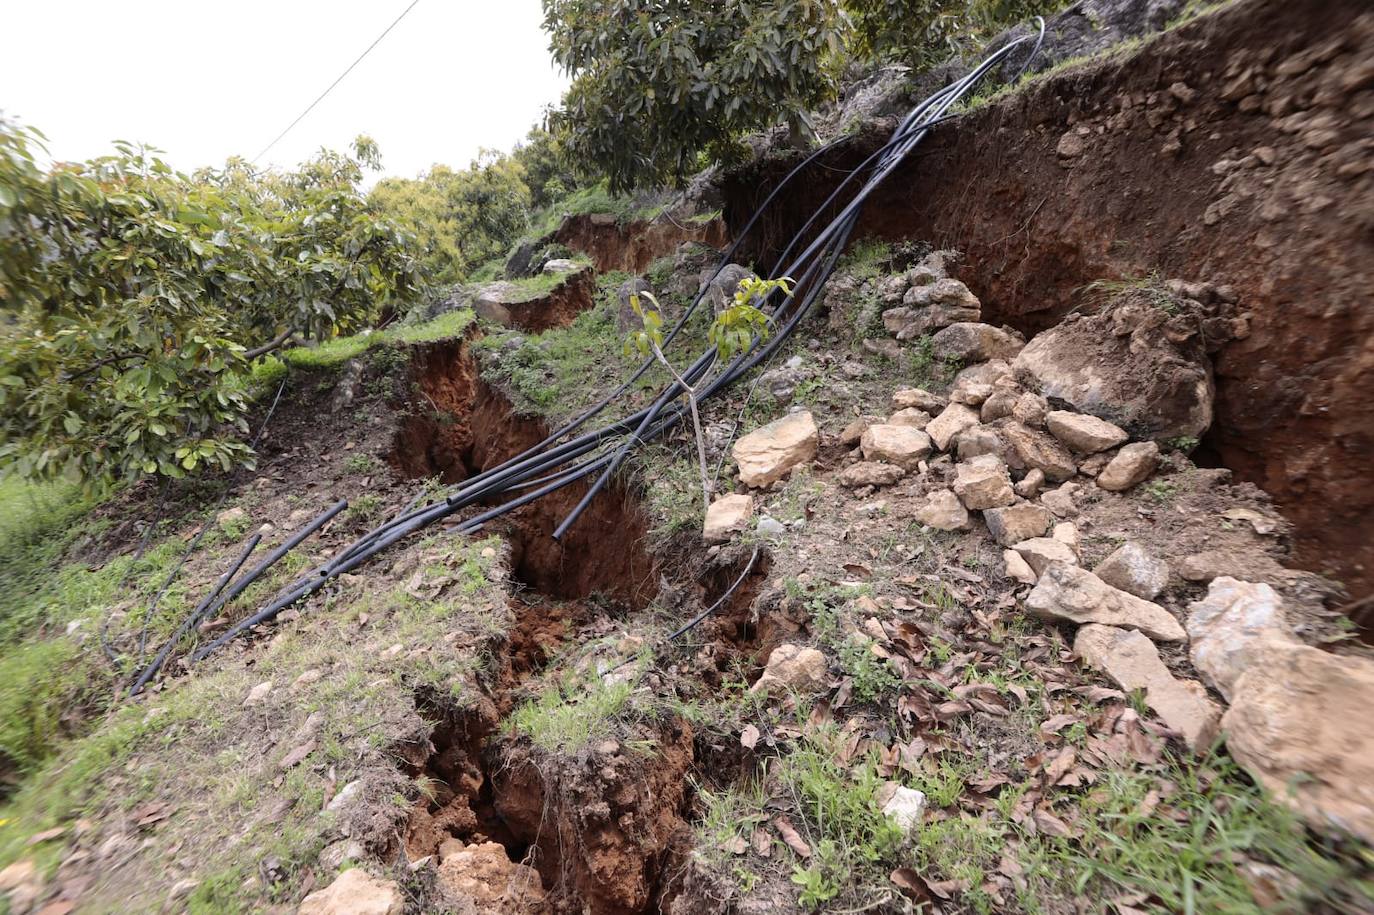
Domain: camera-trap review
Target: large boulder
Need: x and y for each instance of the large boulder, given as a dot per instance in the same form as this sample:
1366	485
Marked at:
490	302
972	342
1133	662
765	455
1124	365
1067	593
355	892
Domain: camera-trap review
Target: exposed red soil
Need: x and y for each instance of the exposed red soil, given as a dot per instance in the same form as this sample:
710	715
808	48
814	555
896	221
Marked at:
574	295
632	246
1285	89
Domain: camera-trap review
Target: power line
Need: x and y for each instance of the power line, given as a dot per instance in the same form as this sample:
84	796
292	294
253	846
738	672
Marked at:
355	63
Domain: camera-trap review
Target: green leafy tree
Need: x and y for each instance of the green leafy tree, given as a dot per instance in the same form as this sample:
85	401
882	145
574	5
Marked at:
549	169
461	219
926	32
133	297
658	83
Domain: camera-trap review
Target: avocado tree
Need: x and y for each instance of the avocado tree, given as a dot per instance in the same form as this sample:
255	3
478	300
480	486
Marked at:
658	83
133	298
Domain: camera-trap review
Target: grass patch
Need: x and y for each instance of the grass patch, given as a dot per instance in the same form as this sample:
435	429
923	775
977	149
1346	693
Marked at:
336	352
573	712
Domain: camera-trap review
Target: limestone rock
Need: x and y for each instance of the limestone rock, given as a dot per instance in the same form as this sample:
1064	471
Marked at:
904	446
1066	592
970	342
1128	364
1029	486
561	265
490	302
1298	723
1030	410
929	307
485	876
918	398
1233	629
727	516
1067	534
944	512
870	473
766	454
905	808
909	416
1014	523
954	419
355	892
1061	500
794	667
1032	449
1133	662
1017	568
850	434
1039	552
1131	568
1083	433
983	483
1133	464
1001	402
976	440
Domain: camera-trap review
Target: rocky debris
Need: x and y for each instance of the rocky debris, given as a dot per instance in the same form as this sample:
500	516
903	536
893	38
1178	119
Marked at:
1039	552
1000	403
943	511
1013	523
870	473
1066	534
919	398
484	876
1133	364
1061	500
727	516
1016	568
1083	433
904	446
21	884
970	342
906	807
1134	570
794	667
1030	449
1233	628
769	526
952	420
355	892
850	434
983	483
1298	723
976	440
721	288
910	416
766	455
1133	663
489	302
1133	464
1029	486
1067	593
1030	410
930	307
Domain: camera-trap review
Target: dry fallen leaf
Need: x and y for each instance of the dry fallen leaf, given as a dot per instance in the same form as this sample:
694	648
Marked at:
296	756
910	884
749	737
737	846
1051	825
791	837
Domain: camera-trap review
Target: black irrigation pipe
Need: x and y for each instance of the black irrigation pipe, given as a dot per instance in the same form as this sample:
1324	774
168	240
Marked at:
546	468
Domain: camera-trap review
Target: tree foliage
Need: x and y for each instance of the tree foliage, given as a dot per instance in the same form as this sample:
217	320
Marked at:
461	219
550	172
926	32
133	296
657	83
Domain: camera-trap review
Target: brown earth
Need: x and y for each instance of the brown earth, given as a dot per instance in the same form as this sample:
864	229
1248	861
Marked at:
632	246
1234	149
574	295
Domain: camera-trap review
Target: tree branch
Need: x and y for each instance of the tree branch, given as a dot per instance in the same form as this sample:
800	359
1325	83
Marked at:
275	343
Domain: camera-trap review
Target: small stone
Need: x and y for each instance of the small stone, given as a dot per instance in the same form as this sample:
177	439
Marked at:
258	693
910	416
972	393
905	808
1015	523
1017	568
1071	145
983	483
944	512
1066	534
1083	433
1068	593
1132	661
1233	628
976	440
1000	403
901	445
313	675
768	526
1133	464
1131	568
1030	410
918	398
870	473
794	667
1060	501
850	435
1029	486
726	517
766	455
355	892
1030	449
954	419
970	342
231	516
1039	552
345	796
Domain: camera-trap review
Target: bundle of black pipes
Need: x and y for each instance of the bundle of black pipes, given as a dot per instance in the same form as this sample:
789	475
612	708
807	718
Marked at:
558	460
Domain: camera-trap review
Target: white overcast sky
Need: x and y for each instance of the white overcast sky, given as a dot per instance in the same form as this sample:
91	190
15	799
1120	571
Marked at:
204	81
